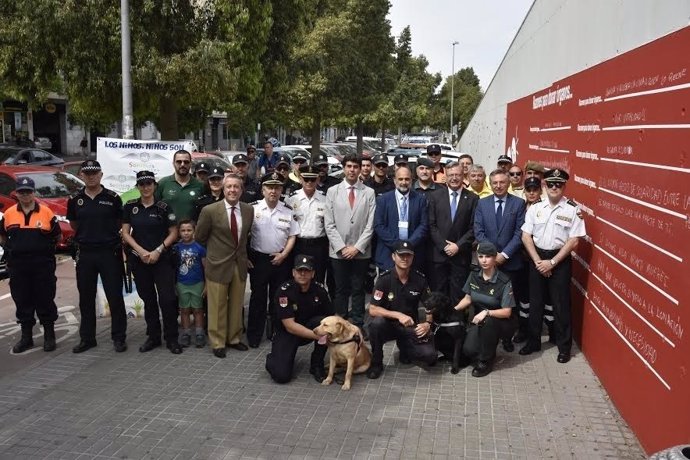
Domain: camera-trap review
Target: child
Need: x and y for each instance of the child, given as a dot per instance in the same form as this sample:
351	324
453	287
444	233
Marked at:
190	257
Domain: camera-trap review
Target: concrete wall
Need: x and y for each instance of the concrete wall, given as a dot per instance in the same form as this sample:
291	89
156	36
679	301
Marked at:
559	38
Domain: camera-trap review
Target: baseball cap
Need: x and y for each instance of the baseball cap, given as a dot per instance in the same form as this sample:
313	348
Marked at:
240	158
216	172
303	261
486	248
25	183
404	247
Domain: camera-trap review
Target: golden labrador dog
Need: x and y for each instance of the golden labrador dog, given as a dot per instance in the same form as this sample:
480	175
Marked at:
345	347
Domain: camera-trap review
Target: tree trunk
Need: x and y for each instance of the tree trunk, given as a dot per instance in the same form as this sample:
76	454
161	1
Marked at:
315	139
384	149
359	130
167	114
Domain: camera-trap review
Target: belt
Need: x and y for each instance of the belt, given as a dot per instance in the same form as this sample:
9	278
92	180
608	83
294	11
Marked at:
312	239
549	253
451	324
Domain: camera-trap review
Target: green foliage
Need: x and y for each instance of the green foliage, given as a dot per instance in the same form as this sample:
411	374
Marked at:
467	96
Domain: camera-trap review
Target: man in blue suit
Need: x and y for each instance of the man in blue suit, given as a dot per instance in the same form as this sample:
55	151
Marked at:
498	219
401	214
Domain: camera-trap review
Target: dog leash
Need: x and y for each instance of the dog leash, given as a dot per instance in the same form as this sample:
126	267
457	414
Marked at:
440	325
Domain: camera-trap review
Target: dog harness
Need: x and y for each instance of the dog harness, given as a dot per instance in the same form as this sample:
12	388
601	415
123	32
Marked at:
355	338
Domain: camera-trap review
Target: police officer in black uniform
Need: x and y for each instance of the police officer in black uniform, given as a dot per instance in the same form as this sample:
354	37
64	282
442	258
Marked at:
149	228
380	181
394	309
325	180
213	191
283	169
95	214
302	304
251	191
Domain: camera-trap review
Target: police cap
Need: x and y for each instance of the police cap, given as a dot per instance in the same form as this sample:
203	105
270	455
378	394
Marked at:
309	172
300	156
216	172
145	176
556	175
433	148
380	159
303	261
486	248
404	247
284	158
90	166
504	159
400	158
425	162
203	167
271	179
240	158
532	182
320	159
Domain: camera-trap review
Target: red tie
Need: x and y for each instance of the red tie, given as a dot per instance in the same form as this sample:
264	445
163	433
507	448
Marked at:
351	197
233	224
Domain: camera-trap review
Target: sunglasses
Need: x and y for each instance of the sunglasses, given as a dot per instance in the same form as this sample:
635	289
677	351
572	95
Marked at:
299	162
182	162
555	184
516	174
309	179
282	168
435	154
381	165
145	183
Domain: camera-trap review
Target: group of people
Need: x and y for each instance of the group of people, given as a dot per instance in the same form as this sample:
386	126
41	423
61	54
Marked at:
192	243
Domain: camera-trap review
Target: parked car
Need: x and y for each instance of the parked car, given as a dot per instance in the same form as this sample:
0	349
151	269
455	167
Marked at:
3	262
214	160
53	188
14	155
43	143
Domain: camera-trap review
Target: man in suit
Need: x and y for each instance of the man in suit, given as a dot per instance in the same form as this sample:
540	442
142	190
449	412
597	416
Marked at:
400	214
349	221
498	220
451	224
224	229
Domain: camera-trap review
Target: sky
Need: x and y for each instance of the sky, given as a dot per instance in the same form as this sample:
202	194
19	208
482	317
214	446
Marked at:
483	28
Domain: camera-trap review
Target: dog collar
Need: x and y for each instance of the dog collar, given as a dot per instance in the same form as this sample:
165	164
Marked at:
355	338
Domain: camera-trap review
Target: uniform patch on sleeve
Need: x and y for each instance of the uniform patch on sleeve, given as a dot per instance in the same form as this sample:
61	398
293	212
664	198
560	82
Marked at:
378	295
283	301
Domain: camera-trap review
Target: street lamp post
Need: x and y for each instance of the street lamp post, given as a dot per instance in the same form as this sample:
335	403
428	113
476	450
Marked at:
452	91
127	112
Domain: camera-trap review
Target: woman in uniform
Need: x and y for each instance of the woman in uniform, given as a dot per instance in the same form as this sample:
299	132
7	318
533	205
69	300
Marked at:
213	191
149	229
490	292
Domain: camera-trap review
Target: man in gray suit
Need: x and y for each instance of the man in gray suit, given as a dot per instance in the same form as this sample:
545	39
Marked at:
224	229
349	222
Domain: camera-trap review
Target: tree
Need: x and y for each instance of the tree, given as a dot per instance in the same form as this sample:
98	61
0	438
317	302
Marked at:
467	96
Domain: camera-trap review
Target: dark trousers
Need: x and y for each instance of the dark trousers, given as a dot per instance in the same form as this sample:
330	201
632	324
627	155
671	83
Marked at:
281	360
449	341
156	287
32	286
106	262
349	282
557	286
482	340
382	330
264	279
449	278
318	248
520	314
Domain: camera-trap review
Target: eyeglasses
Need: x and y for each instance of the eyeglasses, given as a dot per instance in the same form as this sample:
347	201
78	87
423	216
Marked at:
516	174
555	184
182	162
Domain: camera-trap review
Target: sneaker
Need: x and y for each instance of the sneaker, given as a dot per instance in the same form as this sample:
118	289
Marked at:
185	340
200	340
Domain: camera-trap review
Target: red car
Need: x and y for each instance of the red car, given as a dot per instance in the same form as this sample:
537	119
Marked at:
53	188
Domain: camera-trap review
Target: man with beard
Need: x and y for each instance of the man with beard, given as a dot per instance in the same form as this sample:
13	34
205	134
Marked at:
325	181
380	181
424	183
180	190
251	190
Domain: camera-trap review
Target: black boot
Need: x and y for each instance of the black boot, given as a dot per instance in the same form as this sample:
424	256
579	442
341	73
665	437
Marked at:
49	337
26	341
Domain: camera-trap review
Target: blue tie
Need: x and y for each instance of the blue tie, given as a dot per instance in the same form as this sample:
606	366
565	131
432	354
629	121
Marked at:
454	205
403	231
499	214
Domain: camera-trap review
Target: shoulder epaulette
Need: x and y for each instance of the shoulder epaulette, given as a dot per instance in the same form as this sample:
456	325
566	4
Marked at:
420	273
132	201
286	285
503	277
110	192
287	206
254	203
538	201
386	272
572	203
294	192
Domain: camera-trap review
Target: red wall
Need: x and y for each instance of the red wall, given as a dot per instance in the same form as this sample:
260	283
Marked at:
622	130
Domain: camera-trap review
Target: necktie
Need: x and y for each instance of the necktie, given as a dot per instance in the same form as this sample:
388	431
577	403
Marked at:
454	205
351	197
403	209
233	225
402	225
499	214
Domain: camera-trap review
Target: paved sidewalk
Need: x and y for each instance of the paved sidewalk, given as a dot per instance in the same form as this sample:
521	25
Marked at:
103	405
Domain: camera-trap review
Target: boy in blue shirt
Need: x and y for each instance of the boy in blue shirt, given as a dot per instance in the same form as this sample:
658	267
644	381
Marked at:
190	257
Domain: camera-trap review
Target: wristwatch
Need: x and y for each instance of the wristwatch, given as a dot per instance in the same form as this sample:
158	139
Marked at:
553	263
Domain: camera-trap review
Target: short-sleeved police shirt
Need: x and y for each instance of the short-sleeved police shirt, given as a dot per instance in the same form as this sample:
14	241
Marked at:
272	227
391	294
293	303
98	218
492	294
551	226
150	224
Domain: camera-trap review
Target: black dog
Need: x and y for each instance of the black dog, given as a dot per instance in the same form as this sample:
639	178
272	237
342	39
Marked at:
450	329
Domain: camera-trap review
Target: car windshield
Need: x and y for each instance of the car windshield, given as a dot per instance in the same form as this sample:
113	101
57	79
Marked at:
5	154
55	185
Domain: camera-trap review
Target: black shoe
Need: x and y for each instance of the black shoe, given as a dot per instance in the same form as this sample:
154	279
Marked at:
319	373
174	347
481	369
508	346
23	345
120	346
83	346
238	346
520	337
253	344
219	352
563	357
374	372
528	349
149	345
365	334
49	337
404	359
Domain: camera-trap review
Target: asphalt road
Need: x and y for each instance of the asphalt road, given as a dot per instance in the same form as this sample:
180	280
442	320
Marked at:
66	328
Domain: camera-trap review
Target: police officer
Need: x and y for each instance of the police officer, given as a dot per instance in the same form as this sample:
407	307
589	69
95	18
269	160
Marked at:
550	233
201	171
394	309
309	206
95	214
149	230
213	191
490	293
438	172
251	190
283	170
298	160
29	231
380	181
326	181
302	304
273	235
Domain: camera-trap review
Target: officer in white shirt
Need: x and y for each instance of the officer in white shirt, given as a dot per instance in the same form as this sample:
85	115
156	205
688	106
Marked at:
308	206
550	233
272	238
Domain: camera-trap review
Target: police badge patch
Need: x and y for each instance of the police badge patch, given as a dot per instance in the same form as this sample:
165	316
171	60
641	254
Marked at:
378	295
283	301
135	210
80	202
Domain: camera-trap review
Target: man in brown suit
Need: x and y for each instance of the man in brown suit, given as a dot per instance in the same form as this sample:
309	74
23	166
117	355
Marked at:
224	229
